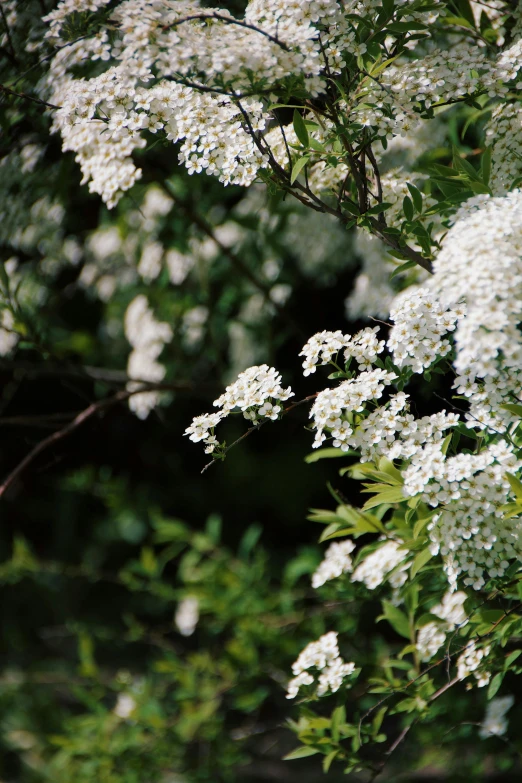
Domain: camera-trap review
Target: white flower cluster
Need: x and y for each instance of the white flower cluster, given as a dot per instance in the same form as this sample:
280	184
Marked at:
432	636
392	431
387	562
481	264
324	656
470	531
148	338
256	392
64	9
101	120
324	346
472	662
495	723
503	135
331	405
336	561
438	78
420	322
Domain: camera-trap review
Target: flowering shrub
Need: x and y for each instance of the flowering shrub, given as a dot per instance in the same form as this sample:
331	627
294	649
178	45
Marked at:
353	109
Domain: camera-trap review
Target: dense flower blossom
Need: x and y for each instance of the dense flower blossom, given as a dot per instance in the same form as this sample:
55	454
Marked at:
331	405
481	264
324	656
257	392
472	661
386	563
336	561
432	636
417	338
324	346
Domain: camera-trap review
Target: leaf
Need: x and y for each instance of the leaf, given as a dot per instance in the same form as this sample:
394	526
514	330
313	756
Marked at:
378	719
300	753
298	167
338	718
334	530
420	524
515	485
397	619
420	560
407	207
495	684
328	453
512	658
387	466
392	495
485	165
376	70
378	208
403	268
416	196
353	209
327	761
249	540
301	131
446	444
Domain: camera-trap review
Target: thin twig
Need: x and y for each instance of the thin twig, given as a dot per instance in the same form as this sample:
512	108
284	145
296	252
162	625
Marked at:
257	427
91	410
234	259
25	97
229	20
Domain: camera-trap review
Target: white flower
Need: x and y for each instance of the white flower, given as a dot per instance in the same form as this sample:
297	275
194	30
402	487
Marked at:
495	722
187	615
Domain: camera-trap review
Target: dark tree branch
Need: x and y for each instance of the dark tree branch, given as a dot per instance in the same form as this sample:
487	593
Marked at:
229	20
8	91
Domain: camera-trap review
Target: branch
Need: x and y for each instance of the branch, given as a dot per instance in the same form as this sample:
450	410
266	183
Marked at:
91	410
234	259
257	427
25	97
229	20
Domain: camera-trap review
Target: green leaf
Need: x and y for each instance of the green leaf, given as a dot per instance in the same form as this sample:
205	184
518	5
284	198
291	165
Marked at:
420	524
485	165
403	268
392	495
515	485
377	69
397	619
298	167
328	453
327	761
420	560
378	208
350	207
416	196
512	658
407	207
495	684
378	719
301	131
395	476
300	753
338	718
